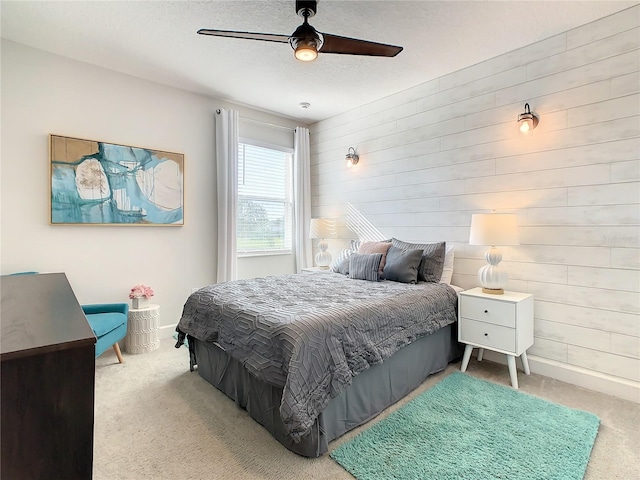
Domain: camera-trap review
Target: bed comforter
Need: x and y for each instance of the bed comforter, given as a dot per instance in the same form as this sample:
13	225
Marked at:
312	333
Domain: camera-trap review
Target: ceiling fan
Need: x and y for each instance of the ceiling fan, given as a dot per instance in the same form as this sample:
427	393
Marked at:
306	41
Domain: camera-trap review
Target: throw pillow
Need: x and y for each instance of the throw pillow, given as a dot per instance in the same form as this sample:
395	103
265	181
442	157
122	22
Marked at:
364	266
432	263
376	247
344	254
402	265
447	269
355	245
343	267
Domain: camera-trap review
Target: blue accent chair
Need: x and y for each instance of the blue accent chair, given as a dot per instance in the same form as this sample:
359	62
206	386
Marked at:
109	324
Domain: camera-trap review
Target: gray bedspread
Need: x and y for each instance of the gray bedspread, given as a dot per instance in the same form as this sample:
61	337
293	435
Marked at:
312	333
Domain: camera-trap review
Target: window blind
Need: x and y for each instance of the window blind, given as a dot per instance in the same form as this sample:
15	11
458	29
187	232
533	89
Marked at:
265	191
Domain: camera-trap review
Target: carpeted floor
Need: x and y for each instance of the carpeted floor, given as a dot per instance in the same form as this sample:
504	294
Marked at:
155	419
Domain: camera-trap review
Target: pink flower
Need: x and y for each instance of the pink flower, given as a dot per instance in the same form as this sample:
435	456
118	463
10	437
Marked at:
141	291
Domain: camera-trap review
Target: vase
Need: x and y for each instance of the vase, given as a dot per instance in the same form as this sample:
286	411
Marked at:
140	302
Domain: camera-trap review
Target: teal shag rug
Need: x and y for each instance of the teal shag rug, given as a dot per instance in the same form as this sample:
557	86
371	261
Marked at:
464	428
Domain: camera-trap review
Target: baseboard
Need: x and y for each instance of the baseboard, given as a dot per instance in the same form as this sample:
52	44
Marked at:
600	382
166	331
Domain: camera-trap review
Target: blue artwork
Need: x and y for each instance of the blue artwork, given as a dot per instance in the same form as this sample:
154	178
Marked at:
102	183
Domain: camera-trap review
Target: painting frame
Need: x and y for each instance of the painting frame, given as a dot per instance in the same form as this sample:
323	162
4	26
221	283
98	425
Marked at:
93	182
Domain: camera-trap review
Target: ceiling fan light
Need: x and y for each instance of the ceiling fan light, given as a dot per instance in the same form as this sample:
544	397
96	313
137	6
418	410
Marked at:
306	53
306	42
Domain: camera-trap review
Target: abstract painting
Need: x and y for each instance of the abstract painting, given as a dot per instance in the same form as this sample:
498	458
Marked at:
98	183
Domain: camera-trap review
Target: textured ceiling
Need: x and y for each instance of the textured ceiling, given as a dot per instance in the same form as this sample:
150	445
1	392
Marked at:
157	40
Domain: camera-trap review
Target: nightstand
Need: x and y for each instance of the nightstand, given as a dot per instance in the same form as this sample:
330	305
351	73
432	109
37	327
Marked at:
502	323
314	270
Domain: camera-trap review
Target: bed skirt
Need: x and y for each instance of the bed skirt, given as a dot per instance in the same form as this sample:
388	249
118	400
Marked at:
369	394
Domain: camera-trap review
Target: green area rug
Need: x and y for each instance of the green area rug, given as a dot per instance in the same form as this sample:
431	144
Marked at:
467	429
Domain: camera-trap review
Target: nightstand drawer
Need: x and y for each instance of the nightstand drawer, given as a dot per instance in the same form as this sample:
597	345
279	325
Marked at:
488	310
487	335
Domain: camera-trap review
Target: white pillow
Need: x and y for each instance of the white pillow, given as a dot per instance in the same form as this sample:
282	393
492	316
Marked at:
447	268
345	253
354	246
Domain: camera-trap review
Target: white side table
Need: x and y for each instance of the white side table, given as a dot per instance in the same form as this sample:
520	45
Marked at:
502	323
142	330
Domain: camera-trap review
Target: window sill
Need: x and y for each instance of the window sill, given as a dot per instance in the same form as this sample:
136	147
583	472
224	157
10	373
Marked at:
271	253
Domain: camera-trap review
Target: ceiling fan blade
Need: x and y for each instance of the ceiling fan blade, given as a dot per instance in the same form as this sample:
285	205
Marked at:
354	46
267	37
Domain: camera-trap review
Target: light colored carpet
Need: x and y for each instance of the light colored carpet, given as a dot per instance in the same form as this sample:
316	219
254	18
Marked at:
155	419
472	429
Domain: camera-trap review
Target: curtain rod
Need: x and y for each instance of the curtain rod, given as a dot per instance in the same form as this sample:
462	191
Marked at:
261	122
266	123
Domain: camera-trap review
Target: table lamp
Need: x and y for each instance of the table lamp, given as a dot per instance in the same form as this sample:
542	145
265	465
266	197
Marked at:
322	228
493	229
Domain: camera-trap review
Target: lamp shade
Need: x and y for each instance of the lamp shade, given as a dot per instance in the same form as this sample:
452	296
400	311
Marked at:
322	228
494	229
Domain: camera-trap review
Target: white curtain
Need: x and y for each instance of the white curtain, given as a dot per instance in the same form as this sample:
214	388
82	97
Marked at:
227	174
302	195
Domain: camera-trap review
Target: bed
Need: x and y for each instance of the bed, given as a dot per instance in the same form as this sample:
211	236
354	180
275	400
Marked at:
312	356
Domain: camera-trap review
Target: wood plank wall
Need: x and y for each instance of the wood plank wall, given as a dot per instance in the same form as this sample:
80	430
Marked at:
432	155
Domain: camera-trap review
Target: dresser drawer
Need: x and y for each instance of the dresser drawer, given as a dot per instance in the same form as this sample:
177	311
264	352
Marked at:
488	310
487	335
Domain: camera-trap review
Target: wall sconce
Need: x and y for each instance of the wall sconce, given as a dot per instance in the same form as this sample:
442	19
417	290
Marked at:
352	157
527	120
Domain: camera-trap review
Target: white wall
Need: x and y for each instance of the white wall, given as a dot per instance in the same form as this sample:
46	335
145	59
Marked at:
433	155
44	93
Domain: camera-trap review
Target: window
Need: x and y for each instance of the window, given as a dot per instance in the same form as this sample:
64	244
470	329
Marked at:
265	206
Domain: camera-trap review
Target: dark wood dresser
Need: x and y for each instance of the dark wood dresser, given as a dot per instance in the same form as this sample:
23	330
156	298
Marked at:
47	380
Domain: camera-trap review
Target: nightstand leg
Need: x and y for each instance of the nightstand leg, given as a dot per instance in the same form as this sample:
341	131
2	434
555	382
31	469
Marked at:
465	358
525	363
480	354
513	372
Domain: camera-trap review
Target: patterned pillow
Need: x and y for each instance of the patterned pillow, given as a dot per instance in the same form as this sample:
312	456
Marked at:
355	245
376	247
344	254
364	266
343	267
432	263
402	265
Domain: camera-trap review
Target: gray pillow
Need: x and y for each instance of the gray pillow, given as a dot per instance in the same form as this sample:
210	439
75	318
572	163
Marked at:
432	263
402	265
364	266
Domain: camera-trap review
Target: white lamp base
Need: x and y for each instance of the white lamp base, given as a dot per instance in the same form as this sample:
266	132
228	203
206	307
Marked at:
323	258
493	291
492	277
